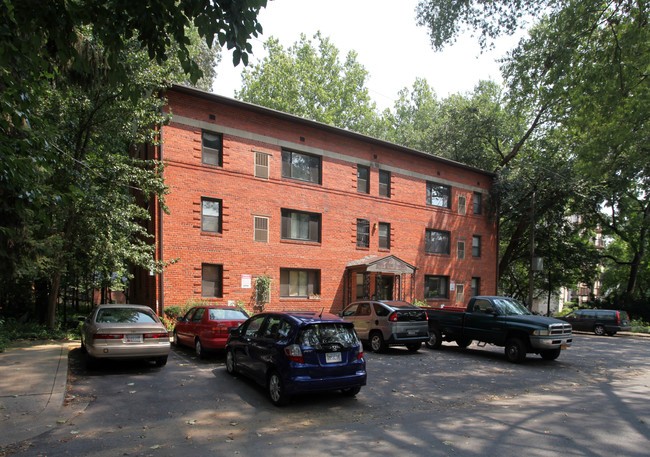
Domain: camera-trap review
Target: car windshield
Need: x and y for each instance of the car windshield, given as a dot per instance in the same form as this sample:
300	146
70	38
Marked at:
124	316
317	335
227	314
511	307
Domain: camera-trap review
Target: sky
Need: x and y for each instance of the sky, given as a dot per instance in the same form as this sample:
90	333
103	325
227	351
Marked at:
388	42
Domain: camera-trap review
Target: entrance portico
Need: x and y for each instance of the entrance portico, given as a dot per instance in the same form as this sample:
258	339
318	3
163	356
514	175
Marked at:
379	278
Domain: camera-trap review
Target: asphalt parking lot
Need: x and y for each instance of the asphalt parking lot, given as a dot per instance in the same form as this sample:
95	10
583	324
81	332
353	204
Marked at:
591	401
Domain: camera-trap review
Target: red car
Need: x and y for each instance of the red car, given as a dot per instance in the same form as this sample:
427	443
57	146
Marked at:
207	327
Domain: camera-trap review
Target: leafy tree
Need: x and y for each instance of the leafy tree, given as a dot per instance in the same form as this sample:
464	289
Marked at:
590	63
446	19
583	74
311	81
78	95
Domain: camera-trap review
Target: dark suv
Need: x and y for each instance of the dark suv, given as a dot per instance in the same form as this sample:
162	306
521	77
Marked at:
599	321
295	352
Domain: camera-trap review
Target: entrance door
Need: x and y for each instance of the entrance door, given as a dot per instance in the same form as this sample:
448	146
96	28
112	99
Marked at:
384	287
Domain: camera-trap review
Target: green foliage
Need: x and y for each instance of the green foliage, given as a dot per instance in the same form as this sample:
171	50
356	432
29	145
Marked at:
80	97
309	80
263	289
12	329
446	19
421	303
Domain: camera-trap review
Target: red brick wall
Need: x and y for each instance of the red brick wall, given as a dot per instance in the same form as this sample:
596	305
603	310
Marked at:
336	199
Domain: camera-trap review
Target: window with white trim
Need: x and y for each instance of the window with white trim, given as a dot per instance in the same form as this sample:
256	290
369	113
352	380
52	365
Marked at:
261	229
262	165
462	205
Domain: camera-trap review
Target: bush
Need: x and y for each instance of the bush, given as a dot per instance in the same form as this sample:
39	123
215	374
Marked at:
11	330
173	312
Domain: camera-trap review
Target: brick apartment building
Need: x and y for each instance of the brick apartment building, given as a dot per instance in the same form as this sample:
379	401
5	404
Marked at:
329	215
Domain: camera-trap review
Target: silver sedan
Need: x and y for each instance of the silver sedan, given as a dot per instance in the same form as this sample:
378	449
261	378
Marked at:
124	332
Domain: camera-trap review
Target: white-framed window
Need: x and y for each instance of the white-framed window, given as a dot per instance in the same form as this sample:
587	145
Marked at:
462	205
460	293
261	229
460	250
262	160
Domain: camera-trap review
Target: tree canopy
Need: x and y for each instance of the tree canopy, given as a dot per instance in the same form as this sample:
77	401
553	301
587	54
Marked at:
581	79
309	80
79	98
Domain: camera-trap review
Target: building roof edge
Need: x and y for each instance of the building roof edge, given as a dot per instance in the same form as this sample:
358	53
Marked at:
319	125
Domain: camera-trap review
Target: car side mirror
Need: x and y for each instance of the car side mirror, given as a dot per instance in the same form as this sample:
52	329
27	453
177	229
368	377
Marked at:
235	331
491	311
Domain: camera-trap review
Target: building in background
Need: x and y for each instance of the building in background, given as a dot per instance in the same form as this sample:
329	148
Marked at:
323	215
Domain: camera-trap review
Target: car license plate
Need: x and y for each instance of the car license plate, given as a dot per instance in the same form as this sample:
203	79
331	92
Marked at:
564	346
411	332
133	338
333	357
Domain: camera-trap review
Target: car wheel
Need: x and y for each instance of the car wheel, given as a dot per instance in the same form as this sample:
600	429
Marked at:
463	342
413	347
161	361
599	330
351	391
198	348
276	391
231	367
435	339
515	350
83	346
550	354
175	339
377	343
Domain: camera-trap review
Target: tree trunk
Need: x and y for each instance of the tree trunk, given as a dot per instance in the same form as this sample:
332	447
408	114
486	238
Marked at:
52	299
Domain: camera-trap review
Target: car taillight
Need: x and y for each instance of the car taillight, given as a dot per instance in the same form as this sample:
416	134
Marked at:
156	335
360	355
294	353
108	336
220	330
393	317
618	318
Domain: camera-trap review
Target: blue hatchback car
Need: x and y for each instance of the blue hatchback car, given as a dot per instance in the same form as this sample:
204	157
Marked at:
296	352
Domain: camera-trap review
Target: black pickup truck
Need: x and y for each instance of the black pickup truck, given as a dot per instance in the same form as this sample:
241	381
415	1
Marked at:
501	321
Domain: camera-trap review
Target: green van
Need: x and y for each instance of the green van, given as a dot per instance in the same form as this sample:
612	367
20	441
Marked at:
599	321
